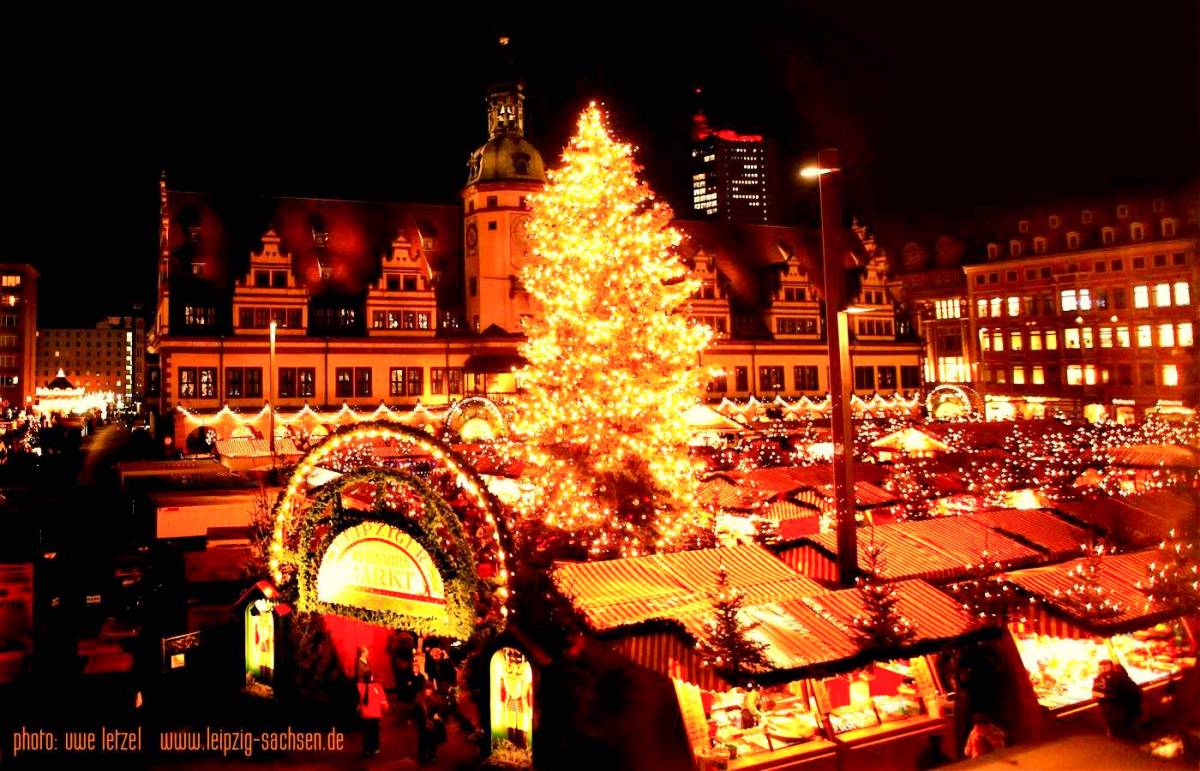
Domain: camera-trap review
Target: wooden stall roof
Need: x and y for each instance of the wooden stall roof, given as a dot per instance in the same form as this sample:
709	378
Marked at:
936	615
1152	456
933	549
1037	528
1119	575
625	592
1137	519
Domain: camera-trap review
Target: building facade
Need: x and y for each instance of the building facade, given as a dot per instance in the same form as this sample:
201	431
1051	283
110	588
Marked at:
729	174
298	302
1090	312
108	357
18	333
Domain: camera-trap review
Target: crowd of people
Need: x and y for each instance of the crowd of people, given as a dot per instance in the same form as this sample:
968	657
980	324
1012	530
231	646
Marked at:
424	693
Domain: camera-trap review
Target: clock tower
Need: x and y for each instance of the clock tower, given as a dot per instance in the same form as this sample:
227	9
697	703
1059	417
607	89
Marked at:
501	174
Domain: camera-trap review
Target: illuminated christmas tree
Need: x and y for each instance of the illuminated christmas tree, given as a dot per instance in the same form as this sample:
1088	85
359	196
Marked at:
984	595
1087	596
726	646
910	481
612	355
881	625
1173	578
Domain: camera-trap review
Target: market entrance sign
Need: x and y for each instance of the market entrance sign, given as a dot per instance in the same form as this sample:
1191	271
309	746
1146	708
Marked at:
377	566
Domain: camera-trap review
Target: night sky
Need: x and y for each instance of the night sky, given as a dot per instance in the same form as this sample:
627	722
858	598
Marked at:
942	108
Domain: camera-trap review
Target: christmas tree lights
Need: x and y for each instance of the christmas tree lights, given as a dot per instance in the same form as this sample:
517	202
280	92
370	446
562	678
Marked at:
1087	596
1173	579
881	625
726	645
612	355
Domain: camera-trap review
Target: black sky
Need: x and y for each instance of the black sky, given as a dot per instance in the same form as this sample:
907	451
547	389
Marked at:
941	108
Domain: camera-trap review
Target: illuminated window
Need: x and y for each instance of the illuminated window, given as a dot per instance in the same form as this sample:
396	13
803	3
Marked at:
1162	295
1071	337
996	311
1014	341
1106	337
1123	337
1074	374
1035	340
1087	337
1089	374
1166	335
1108	235
1183	295
1018	376
1170	375
985	340
1039	375
1137	231
1051	340
997	341
1069	301
981	307
1014	306
1141	296
1183	334
10	281
1145	336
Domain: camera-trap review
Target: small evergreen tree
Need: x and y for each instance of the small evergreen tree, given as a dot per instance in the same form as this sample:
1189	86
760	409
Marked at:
1087	597
726	646
881	625
1173	578
984	595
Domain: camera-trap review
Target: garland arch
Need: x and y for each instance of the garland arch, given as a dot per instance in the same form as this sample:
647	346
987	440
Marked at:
477	523
474	407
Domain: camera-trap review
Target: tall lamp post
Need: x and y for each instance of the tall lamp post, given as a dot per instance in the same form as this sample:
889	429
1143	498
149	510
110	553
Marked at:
271	395
838	335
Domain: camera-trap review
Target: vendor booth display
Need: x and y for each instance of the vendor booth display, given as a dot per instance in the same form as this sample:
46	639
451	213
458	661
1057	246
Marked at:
820	699
1062	645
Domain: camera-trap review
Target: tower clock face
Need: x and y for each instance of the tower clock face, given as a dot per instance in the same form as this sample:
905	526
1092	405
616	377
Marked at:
520	232
472	238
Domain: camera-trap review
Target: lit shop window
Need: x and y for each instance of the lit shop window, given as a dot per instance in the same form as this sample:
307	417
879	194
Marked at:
1162	295
1183	295
1141	296
1166	336
1170	375
1145	336
1183	335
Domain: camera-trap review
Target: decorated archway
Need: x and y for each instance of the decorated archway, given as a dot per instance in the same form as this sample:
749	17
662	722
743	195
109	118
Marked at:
384	524
474	419
948	402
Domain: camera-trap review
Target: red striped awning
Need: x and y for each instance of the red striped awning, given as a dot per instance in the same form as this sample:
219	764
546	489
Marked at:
932	549
1119	574
1042	529
937	616
623	592
1150	456
1141	519
781	510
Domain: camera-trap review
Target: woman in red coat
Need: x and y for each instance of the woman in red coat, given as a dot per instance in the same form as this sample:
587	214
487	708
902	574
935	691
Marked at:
372	703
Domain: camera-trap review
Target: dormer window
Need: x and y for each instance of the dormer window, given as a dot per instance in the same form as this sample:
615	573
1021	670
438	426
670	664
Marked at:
1039	245
1014	248
993	251
1072	240
1169	227
1108	235
1137	231
1023	226
1123	211
1054	220
1158	205
392	283
521	162
1087	216
262	278
279	279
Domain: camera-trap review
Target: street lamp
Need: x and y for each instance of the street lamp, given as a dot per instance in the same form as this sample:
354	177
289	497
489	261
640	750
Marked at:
837	331
271	394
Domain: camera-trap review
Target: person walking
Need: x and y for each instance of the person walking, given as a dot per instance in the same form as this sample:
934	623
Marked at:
362	664
372	703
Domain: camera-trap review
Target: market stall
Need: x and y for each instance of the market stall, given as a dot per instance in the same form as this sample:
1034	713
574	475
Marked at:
1061	645
822	702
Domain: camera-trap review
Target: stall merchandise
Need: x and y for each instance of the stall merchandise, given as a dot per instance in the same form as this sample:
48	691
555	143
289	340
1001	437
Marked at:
1062	669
